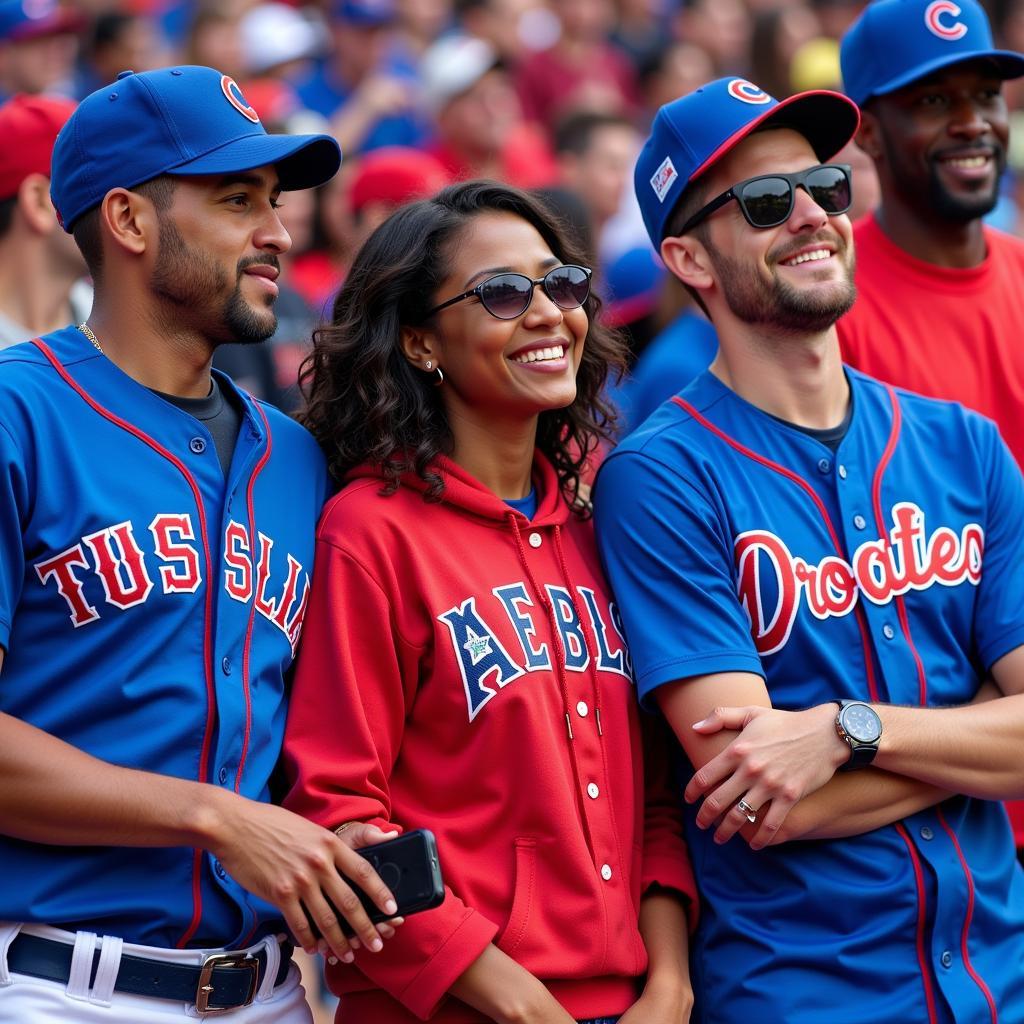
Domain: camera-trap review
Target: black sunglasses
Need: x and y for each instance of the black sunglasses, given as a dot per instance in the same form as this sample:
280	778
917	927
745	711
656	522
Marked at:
507	296
767	200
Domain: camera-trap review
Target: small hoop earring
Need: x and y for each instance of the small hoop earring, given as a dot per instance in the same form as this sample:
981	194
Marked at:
440	377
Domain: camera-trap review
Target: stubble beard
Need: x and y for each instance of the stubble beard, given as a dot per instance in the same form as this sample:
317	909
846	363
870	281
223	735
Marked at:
189	280
778	306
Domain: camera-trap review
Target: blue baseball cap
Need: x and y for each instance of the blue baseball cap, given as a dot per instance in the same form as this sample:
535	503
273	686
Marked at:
691	134
185	121
896	42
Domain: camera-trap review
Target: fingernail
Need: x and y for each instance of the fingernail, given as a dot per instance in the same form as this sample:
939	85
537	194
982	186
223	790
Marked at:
332	960
348	957
309	950
391	907
697	725
376	945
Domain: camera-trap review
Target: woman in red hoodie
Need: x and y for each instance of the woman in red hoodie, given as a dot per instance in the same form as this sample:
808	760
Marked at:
463	667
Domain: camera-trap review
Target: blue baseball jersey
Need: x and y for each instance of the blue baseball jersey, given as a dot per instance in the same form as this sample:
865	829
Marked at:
149	610
889	570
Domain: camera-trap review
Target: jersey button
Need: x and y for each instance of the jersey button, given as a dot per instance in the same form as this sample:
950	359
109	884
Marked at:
606	872
927	833
860	522
888	632
842	472
536	540
198	445
824	465
592	791
223	775
582	709
946	958
225	666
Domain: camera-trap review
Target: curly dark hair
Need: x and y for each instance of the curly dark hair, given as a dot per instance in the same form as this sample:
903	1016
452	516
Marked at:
366	403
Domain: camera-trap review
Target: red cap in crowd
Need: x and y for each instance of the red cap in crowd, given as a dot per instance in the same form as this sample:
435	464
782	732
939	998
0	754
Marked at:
396	175
29	126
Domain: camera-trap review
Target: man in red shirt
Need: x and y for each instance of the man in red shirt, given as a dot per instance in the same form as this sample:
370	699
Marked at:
938	305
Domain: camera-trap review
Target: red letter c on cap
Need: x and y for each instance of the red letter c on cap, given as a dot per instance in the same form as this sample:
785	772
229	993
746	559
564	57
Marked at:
933	20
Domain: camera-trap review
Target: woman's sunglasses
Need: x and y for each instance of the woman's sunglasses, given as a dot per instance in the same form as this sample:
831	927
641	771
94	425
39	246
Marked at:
767	201
507	296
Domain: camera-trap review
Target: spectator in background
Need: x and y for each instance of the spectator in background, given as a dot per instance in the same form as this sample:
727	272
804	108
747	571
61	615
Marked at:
38	47
368	85
418	23
514	28
278	41
386	179
581	71
39	263
481	132
673	71
721	28
118	40
213	39
595	154
778	33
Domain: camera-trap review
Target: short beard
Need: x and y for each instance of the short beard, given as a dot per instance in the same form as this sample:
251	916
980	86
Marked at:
776	304
188	279
961	209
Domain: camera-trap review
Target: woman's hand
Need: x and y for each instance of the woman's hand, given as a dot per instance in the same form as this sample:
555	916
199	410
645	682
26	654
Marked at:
506	992
661	1003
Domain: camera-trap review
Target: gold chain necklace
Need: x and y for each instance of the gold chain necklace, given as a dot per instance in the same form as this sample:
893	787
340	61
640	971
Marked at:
87	331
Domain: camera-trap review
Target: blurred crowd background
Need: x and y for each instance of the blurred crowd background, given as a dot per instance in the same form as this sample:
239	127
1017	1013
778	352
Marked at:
549	95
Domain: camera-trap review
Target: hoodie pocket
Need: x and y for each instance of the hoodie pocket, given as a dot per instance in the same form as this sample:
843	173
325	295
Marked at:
522	900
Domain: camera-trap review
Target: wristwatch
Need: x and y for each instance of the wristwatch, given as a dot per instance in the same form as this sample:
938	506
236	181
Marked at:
860	728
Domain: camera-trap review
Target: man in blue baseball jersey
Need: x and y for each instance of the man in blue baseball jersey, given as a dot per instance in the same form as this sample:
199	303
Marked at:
156	543
817	575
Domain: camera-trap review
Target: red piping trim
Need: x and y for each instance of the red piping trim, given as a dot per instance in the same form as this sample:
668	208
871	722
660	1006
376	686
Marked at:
211	703
975	977
922	679
252	608
922	960
822	511
876	497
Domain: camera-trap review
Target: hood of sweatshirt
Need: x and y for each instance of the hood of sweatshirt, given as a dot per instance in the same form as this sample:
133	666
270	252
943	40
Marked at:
465	492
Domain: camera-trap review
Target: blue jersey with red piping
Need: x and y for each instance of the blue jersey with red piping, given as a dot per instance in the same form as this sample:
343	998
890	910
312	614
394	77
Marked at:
889	570
149	610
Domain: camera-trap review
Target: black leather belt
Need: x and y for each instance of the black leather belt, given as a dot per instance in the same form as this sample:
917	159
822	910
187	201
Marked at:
224	981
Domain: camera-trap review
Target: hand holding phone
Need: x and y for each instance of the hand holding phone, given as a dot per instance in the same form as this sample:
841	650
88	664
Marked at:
409	866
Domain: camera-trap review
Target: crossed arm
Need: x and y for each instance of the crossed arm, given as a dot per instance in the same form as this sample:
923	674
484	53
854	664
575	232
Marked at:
783	763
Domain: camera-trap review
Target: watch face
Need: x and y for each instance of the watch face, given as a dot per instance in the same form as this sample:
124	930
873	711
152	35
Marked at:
861	723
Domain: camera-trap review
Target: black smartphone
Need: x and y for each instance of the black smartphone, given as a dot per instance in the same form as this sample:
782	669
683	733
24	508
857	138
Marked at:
409	866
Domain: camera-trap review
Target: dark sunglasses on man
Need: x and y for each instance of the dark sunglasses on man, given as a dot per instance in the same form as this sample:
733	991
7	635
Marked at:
767	200
507	296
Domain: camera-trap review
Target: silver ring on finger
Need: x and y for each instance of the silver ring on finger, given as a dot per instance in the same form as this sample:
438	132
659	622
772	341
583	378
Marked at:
747	811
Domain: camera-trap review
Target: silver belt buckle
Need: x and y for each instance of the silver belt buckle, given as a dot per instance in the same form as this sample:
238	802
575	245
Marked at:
231	961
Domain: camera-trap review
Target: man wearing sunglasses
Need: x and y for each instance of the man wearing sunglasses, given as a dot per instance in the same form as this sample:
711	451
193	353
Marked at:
816	575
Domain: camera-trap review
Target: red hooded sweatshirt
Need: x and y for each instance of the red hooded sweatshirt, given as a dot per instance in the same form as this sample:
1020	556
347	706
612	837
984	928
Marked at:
463	669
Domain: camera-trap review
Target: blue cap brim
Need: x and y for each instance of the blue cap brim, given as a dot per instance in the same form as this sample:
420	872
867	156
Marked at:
828	120
302	161
1010	64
